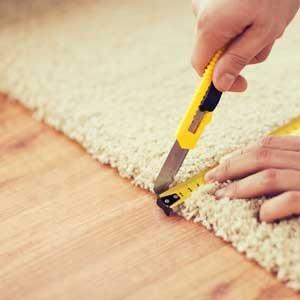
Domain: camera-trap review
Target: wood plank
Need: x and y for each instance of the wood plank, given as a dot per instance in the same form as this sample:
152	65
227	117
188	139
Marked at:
73	229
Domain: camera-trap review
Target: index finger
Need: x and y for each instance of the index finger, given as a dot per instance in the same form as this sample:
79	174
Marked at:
206	45
252	162
206	42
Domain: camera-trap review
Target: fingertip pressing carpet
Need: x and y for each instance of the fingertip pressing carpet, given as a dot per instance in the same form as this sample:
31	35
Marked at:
115	76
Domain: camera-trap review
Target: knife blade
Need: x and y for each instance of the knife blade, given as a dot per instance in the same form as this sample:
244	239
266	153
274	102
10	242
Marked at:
191	128
174	160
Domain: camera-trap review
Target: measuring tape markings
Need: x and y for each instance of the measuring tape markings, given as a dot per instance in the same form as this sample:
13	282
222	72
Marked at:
176	195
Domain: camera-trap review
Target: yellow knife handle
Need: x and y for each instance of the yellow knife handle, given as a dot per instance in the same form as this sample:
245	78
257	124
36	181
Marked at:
186	138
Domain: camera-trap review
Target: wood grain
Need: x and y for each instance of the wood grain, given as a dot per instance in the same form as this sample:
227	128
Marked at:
73	229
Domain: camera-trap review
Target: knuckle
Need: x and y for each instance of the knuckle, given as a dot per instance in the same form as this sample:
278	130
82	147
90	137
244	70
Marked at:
234	189
262	58
297	144
259	59
269	178
226	168
262	155
267	141
237	60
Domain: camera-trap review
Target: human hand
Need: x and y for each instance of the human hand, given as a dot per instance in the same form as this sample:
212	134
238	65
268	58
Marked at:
247	28
270	168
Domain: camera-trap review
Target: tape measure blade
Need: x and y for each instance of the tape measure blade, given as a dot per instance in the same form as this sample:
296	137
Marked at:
184	190
291	128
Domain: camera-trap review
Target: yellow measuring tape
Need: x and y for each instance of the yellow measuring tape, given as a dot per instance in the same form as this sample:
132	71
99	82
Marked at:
176	195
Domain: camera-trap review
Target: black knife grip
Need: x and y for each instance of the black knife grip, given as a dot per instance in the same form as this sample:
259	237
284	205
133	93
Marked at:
211	99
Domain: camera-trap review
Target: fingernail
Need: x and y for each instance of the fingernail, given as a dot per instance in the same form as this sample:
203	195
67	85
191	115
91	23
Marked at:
225	157
231	155
226	81
222	193
264	214
210	176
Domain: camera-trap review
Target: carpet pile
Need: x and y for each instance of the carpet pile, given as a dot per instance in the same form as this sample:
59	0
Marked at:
115	76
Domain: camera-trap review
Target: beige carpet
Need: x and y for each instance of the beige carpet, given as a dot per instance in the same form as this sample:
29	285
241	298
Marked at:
115	76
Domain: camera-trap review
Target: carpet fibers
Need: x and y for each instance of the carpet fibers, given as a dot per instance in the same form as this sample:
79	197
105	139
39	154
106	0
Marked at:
115	76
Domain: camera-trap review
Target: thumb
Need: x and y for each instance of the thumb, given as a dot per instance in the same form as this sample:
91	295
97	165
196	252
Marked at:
240	53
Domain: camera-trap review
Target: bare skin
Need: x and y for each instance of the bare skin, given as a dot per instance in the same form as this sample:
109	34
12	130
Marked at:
248	28
271	168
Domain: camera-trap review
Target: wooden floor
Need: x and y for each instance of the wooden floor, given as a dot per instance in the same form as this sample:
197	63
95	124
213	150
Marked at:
73	229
